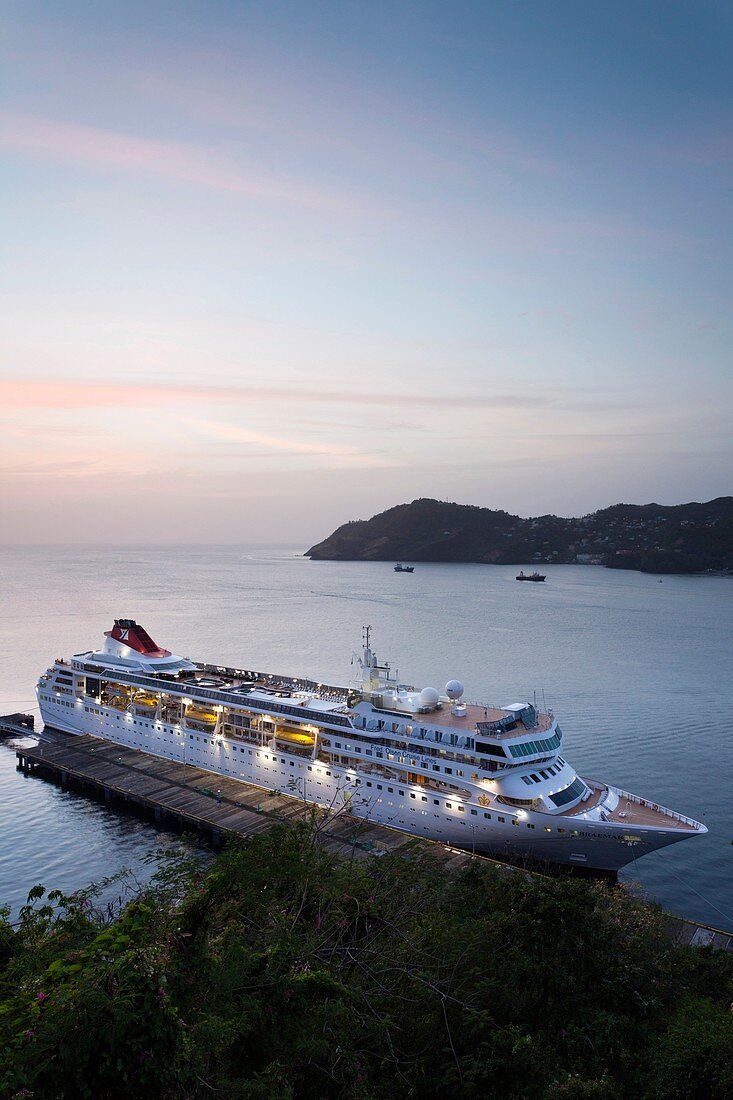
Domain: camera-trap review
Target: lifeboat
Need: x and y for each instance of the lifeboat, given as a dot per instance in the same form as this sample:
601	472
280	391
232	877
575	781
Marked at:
195	713
295	736
146	702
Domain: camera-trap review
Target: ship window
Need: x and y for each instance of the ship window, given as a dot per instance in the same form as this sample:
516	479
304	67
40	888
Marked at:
488	816
501	819
436	767
460	809
544	775
534	778
490	750
379	786
412	796
548	829
436	802
310	769
391	790
526	779
474	812
530	826
449	771
368	783
576	788
448	806
338	744
402	793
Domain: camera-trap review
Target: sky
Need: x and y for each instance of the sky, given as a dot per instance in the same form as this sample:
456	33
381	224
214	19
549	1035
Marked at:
269	267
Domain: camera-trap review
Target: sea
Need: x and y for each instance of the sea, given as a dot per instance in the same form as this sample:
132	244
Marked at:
638	670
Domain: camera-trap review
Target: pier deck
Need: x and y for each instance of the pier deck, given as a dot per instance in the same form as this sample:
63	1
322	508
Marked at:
16	725
181	795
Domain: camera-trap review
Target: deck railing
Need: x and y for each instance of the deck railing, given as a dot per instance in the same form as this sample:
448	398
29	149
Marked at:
657	806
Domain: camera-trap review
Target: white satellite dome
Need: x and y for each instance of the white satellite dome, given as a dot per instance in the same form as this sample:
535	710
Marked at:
454	689
429	697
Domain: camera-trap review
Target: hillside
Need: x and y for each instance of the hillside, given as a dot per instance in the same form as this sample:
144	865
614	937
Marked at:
684	538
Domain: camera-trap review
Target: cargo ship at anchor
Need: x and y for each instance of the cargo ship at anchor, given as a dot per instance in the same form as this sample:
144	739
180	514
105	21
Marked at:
487	779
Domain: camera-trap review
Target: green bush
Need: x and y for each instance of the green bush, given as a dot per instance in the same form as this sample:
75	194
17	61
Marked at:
280	971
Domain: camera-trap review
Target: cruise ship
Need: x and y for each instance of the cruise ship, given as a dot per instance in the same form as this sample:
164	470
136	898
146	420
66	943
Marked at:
487	779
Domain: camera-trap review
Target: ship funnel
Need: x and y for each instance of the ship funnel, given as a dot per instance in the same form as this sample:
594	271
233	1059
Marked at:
129	633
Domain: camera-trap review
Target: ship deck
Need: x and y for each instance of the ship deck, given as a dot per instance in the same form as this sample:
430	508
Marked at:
647	813
476	713
631	812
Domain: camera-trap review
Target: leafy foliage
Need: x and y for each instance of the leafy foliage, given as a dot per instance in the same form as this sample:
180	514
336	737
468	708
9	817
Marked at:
280	971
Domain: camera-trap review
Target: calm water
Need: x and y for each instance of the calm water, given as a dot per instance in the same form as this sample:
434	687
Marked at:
638	671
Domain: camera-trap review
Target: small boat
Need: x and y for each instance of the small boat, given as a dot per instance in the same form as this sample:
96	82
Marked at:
400	568
522	576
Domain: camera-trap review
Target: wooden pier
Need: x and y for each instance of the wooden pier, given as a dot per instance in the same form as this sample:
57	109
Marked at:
16	725
181	796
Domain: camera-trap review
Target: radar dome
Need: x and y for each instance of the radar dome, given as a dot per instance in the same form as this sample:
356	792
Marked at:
429	697
454	689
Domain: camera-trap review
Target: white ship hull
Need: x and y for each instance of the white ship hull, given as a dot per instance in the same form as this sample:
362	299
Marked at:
558	839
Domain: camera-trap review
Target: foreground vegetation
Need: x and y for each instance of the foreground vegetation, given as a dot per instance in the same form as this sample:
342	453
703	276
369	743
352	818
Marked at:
279	971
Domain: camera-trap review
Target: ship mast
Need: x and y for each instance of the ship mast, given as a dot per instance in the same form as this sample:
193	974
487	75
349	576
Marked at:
374	677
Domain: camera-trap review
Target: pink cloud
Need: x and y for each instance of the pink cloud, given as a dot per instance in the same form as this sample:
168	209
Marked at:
190	164
83	395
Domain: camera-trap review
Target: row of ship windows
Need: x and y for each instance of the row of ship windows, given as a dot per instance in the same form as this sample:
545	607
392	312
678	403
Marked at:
530	748
413	761
552	770
374	725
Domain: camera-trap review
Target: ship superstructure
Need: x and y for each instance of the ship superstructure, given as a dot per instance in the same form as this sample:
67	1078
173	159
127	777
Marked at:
484	778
